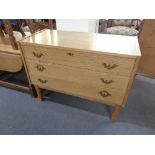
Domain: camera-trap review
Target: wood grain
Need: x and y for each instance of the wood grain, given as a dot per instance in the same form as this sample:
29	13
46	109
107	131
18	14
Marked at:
96	67
147	45
130	82
126	46
78	89
79	75
147	33
79	59
147	63
10	62
115	113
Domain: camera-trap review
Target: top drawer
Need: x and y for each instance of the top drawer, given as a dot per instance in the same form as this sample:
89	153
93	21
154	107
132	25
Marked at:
85	60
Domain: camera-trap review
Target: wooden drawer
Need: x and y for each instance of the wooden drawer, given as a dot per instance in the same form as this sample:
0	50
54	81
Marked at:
81	76
79	59
10	62
96	93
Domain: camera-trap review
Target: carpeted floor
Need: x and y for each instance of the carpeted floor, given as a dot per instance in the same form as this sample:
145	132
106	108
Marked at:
64	114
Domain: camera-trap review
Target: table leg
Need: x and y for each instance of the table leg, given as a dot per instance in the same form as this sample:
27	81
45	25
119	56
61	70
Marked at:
115	113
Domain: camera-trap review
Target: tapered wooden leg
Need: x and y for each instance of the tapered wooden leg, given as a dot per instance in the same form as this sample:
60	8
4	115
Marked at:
38	91
115	113
32	91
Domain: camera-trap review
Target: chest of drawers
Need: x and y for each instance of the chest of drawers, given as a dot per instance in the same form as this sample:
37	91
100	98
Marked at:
97	67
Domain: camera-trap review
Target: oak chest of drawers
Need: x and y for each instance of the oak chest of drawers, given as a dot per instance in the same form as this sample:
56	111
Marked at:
97	67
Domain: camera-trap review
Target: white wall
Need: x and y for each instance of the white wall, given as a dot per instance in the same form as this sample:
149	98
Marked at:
79	25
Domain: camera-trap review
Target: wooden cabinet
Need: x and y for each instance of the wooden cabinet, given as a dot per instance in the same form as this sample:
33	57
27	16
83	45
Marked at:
147	45
97	67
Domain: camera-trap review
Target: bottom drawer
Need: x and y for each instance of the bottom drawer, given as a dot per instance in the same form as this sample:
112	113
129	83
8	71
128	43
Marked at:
95	93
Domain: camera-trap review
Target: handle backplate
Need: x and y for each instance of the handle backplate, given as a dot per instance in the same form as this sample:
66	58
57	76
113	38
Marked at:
42	81
40	67
104	93
109	66
38	55
106	81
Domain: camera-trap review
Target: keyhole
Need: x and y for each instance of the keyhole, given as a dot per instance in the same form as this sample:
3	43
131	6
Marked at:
70	54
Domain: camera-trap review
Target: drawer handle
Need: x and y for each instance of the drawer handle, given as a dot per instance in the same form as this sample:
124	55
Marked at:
42	81
109	67
40	67
106	81
70	54
104	93
38	55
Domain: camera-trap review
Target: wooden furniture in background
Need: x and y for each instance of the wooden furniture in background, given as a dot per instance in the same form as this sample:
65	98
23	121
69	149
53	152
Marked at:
147	46
9	31
127	27
10	56
118	22
1	31
97	67
40	25
17	26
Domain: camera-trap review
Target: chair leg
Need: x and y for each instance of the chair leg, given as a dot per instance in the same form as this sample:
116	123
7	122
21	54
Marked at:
20	27
1	32
9	31
115	113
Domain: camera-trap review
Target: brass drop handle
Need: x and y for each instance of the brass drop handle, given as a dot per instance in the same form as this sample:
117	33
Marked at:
42	81
38	55
70	54
40	67
108	66
106	81
104	93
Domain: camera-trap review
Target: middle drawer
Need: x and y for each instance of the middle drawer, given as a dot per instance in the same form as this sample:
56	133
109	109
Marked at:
78	75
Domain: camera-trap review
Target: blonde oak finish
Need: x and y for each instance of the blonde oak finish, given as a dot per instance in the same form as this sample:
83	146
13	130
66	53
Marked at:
97	67
86	91
123	46
10	56
79	75
115	113
10	63
80	59
10	59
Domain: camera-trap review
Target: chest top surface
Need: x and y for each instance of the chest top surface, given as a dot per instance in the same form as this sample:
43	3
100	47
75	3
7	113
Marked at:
111	44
